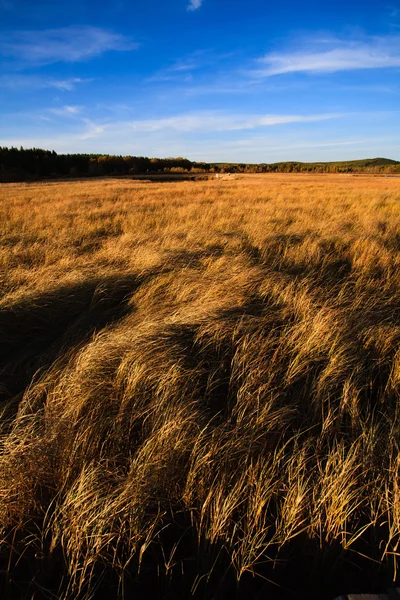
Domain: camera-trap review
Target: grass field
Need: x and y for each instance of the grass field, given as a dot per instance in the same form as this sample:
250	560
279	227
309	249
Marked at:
200	387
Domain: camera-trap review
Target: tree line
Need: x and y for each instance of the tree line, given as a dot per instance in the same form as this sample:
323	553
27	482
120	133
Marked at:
20	164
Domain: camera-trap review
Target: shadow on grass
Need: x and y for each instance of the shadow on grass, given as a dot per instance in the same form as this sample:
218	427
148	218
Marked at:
35	331
305	570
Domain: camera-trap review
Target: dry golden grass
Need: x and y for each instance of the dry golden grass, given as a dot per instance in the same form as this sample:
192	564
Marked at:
199	379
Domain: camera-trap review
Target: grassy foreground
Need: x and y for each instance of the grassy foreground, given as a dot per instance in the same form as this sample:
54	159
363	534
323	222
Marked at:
199	388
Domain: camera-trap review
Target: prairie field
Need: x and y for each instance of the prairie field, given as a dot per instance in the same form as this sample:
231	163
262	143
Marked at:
200	388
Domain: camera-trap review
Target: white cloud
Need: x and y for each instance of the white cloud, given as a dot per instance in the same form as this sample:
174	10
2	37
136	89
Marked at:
68	44
92	130
219	122
35	82
180	69
67	84
330	56
184	65
194	4
66	111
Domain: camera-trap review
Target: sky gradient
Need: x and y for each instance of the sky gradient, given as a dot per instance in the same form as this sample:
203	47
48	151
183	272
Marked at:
211	80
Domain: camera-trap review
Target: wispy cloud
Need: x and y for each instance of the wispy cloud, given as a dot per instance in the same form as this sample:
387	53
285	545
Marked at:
371	88
169	127
18	81
181	68
186	64
329	56
68	44
66	110
194	4
207	121
92	130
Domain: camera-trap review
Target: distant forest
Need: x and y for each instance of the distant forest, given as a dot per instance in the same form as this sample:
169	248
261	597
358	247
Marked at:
19	164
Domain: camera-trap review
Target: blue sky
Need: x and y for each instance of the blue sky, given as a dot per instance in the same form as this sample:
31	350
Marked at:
213	80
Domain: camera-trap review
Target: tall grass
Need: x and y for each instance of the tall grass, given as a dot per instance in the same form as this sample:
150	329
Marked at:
199	387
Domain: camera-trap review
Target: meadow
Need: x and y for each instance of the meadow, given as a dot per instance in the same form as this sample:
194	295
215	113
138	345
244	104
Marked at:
200	387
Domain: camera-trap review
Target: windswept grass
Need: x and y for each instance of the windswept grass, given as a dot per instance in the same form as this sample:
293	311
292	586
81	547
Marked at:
199	387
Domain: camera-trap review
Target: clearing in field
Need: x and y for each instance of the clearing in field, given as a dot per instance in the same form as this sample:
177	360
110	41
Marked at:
200	388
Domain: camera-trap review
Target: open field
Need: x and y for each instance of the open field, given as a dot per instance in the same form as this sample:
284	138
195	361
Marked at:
200	385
